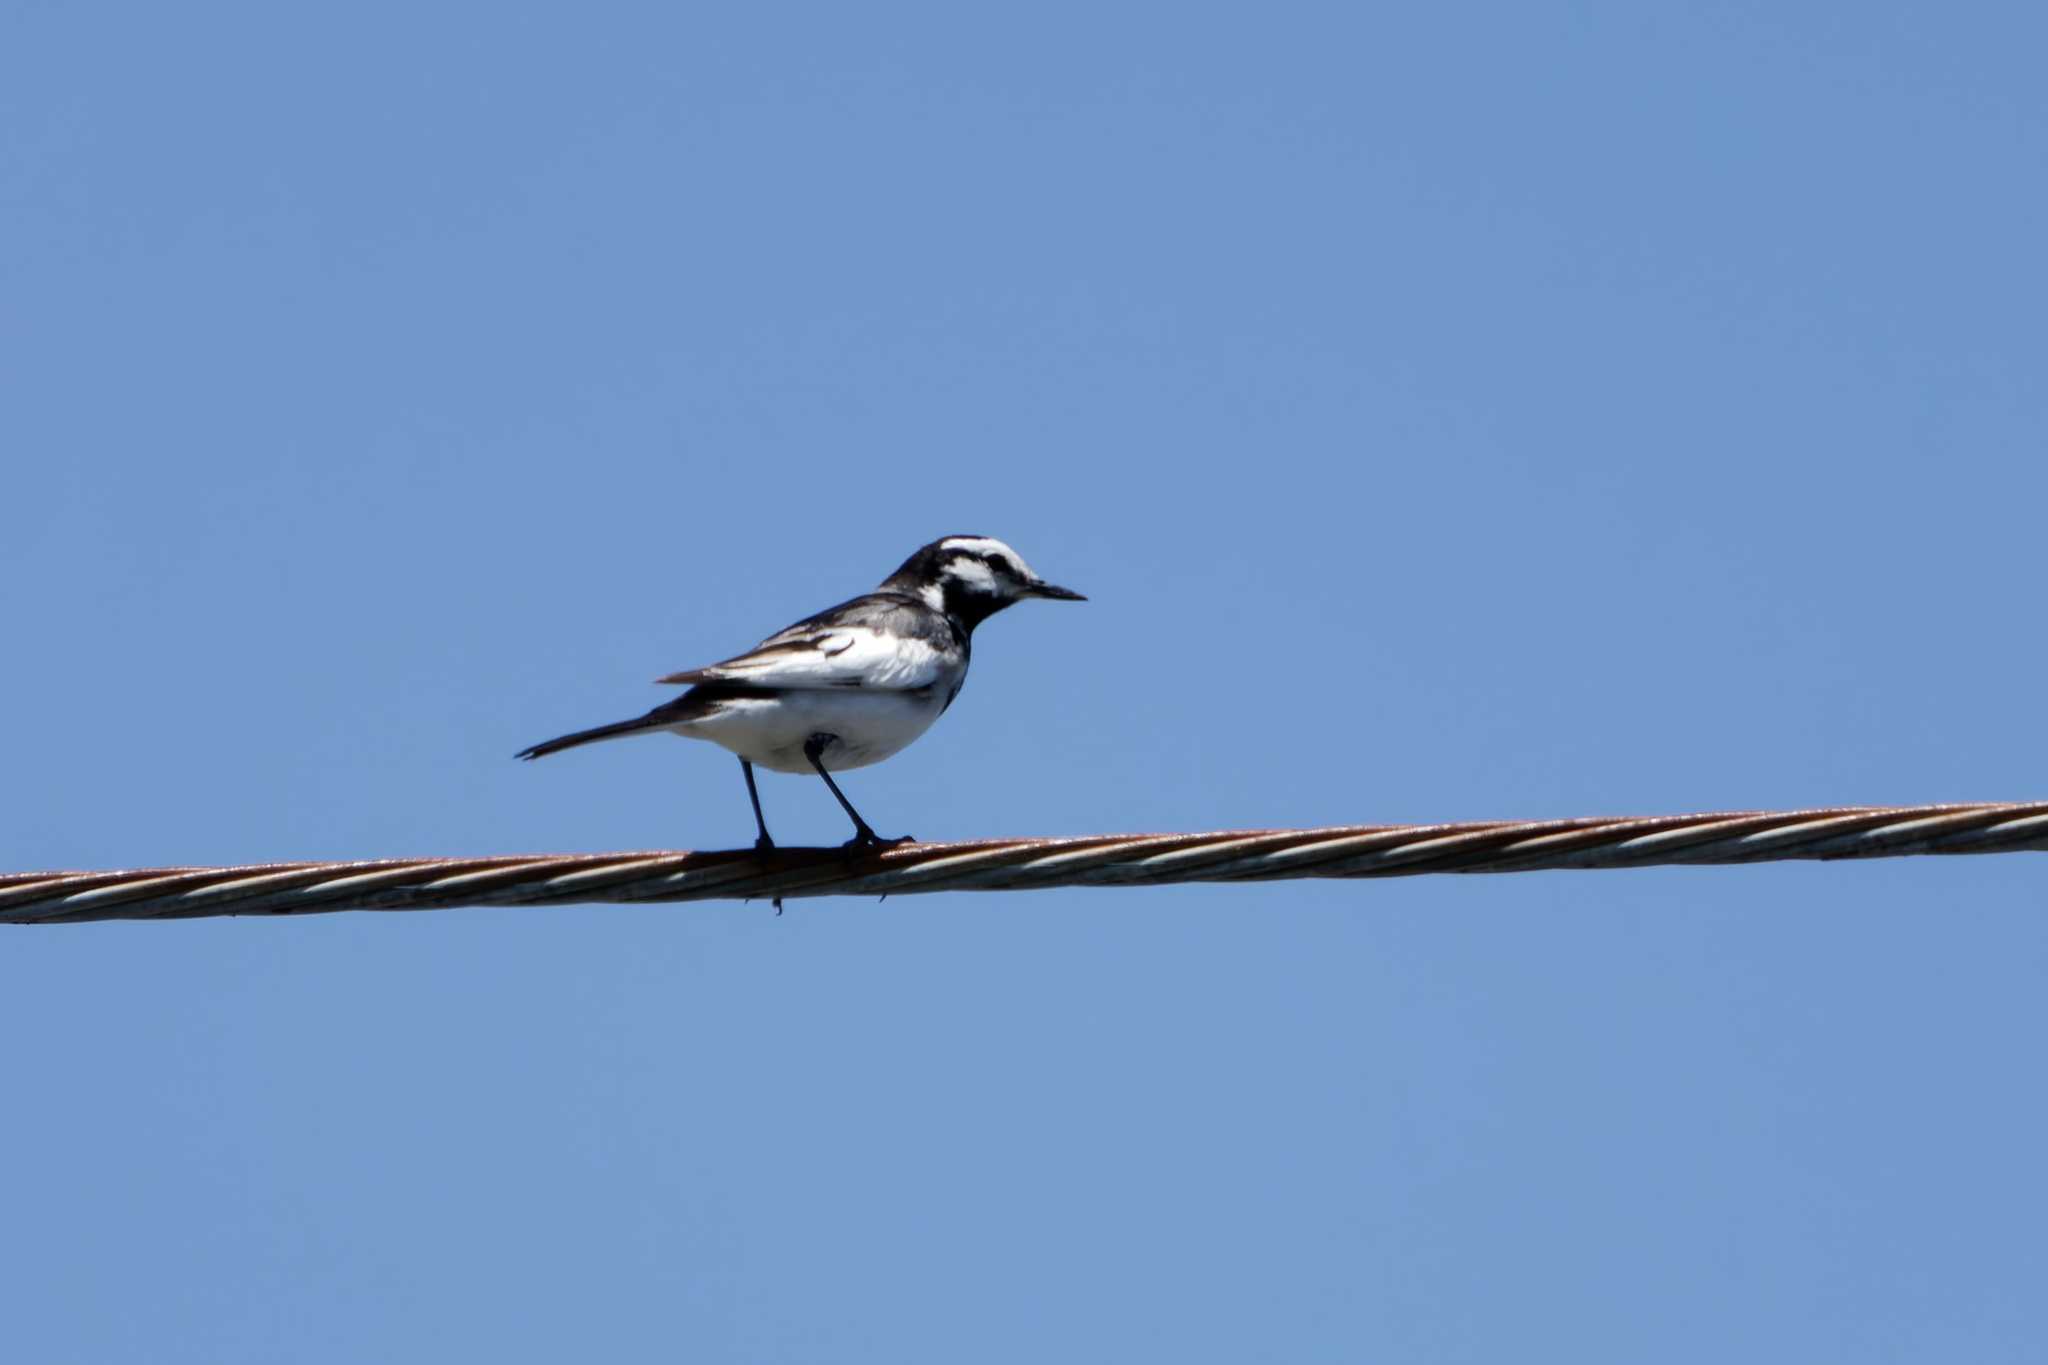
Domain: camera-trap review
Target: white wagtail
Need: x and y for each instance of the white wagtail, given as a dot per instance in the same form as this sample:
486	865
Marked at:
852	685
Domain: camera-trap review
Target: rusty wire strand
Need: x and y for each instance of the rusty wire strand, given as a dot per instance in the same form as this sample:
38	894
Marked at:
1024	864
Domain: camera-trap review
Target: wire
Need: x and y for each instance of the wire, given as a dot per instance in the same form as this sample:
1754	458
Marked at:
1023	864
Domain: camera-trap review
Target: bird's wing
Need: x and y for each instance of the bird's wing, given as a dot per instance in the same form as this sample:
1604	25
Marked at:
853	645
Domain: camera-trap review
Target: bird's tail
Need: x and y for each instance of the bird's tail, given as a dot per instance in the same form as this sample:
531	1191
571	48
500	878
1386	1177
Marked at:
591	736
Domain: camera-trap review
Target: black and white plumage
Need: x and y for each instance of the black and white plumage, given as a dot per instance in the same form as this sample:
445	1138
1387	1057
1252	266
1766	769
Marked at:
852	685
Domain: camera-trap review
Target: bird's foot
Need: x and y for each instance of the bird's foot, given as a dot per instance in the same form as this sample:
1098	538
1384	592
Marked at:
868	841
764	844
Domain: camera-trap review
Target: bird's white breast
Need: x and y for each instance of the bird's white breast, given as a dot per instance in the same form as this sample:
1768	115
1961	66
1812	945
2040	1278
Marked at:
870	724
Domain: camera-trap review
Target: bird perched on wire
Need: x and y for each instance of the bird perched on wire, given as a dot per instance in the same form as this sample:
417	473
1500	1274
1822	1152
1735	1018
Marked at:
852	685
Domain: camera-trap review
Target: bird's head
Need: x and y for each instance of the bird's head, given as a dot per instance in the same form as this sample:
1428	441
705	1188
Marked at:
971	578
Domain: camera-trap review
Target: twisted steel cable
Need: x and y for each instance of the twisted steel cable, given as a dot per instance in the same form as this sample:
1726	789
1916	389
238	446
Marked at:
1024	864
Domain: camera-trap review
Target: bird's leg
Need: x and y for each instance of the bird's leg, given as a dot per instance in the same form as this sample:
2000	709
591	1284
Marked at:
864	833
764	843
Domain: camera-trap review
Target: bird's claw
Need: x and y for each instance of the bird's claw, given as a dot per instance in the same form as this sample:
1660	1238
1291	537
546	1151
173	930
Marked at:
868	841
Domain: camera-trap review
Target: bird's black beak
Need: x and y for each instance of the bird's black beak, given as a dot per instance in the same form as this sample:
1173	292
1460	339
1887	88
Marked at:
1056	593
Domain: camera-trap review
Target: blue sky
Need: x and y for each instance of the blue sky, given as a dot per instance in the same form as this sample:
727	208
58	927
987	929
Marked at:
1460	412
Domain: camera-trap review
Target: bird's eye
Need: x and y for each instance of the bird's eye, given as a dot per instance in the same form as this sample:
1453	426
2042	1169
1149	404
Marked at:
1002	565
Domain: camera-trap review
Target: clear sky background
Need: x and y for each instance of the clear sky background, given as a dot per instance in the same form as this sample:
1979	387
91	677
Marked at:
1458	411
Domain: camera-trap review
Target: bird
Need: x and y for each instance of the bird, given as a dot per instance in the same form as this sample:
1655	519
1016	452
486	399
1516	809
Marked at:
850	686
